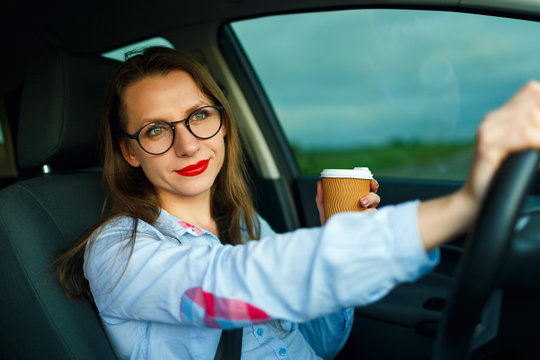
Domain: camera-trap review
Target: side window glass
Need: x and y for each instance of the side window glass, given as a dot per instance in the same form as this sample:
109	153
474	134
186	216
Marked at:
8	169
119	54
400	91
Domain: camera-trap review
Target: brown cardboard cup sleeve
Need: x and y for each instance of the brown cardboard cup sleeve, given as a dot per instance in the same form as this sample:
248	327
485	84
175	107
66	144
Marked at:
343	189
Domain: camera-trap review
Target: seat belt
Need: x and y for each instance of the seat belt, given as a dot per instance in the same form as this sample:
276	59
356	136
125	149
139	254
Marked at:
230	345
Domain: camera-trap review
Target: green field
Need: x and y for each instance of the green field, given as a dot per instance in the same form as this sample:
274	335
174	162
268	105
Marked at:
413	160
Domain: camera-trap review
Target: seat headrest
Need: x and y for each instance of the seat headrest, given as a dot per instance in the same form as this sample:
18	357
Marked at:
62	100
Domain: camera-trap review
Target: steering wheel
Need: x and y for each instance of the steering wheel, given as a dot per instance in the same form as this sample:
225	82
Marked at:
486	249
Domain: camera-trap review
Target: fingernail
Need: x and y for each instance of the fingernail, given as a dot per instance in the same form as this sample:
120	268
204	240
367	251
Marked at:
365	202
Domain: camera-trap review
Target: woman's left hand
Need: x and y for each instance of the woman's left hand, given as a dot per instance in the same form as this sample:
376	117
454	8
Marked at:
369	202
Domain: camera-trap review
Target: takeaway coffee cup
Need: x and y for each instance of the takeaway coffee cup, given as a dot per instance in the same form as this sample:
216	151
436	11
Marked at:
343	189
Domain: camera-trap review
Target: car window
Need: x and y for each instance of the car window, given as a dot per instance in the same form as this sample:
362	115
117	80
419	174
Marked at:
399	91
119	54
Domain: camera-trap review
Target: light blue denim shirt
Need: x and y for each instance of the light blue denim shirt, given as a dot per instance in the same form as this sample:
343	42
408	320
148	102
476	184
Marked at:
181	286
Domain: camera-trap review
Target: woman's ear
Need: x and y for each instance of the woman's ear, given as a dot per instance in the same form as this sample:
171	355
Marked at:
224	129
128	155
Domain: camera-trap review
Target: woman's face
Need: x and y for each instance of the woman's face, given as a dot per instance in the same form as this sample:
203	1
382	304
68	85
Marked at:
191	165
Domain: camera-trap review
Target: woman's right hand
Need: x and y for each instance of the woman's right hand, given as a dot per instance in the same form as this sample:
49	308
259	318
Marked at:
513	127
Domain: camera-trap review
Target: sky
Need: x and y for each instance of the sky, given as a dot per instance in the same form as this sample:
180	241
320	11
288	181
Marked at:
363	78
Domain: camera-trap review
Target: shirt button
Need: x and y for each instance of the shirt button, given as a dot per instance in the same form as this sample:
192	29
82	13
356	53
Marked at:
260	332
282	351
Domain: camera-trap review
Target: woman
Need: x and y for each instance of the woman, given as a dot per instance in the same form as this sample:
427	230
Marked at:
161	268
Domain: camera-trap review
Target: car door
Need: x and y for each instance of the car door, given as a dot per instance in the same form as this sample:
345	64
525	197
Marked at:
399	91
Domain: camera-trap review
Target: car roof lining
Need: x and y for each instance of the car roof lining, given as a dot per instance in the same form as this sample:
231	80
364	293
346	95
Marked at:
96	27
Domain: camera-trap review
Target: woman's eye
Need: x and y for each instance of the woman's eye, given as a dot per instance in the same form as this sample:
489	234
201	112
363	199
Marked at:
201	115
155	130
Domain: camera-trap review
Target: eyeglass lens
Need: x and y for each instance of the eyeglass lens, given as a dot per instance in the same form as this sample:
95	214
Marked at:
157	137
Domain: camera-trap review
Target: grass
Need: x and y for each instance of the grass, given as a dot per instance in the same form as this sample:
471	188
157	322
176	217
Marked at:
446	161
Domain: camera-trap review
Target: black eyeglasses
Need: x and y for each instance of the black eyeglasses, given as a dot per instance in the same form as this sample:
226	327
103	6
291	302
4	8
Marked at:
157	137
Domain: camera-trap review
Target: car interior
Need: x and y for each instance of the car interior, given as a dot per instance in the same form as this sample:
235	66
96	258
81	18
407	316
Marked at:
53	124
53	80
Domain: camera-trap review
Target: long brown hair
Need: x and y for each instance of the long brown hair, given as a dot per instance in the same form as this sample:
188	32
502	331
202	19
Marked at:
130	193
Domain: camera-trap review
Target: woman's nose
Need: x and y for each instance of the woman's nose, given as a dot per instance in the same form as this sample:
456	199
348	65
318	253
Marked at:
185	144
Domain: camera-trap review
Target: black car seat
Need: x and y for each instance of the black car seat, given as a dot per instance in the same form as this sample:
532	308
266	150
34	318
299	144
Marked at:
60	110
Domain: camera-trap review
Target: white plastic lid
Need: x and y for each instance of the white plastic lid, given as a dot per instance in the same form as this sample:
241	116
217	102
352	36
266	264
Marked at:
356	173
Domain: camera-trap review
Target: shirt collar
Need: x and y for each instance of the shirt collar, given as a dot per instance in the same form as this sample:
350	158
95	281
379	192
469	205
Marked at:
177	226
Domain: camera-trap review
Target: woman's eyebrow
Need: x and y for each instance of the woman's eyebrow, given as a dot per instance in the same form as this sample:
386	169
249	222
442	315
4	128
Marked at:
187	112
196	106
146	121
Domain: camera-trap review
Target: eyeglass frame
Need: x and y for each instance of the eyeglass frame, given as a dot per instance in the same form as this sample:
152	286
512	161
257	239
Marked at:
135	135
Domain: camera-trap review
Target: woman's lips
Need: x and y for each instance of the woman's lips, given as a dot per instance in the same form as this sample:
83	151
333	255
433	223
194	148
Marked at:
195	169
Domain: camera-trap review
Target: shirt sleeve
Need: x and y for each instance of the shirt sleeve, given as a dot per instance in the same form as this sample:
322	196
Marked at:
298	276
327	334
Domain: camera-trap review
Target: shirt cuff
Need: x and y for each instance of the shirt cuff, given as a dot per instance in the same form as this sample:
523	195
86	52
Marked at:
411	255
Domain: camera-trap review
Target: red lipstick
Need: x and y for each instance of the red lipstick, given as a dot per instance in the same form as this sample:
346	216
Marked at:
195	169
